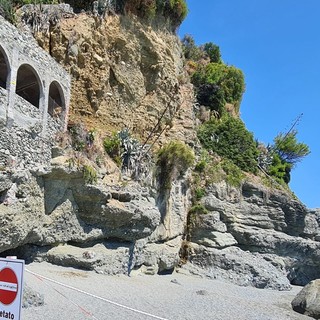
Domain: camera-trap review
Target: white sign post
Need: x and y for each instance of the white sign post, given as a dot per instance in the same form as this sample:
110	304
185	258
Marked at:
11	288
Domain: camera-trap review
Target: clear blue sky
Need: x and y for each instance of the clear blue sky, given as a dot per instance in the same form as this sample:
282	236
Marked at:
276	43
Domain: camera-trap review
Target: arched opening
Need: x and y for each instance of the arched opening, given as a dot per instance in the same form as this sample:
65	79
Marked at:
4	69
28	86
56	106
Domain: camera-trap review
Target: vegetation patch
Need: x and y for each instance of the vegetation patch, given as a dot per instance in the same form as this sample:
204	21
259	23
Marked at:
89	174
173	10
229	138
112	146
234	174
198	209
129	154
217	84
173	160
279	159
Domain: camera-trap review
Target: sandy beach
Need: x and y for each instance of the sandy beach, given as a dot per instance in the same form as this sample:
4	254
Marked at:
75	294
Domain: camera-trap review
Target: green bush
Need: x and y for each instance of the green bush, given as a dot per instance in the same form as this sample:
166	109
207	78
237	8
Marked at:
213	52
173	10
89	174
289	149
230	139
203	162
177	11
197	53
280	169
200	166
217	84
198	209
7	10
145	9
148	9
190	50
173	160
112	146
199	193
234	175
279	159
287	152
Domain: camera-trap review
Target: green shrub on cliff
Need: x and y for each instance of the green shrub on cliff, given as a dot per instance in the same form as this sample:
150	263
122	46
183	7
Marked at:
213	52
217	84
285	154
173	160
289	149
279	169
174	10
112	146
208	52
89	174
190	50
229	138
7	10
145	9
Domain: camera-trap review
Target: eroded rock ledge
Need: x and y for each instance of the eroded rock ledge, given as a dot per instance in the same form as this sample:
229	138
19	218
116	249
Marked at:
250	236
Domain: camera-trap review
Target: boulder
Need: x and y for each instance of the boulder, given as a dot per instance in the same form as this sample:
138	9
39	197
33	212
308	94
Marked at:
117	257
210	231
236	266
307	301
104	258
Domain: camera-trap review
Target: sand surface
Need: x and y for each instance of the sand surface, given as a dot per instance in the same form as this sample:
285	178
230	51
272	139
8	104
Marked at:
170	297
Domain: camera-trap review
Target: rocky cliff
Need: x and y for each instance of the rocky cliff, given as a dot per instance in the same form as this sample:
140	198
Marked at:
120	67
126	74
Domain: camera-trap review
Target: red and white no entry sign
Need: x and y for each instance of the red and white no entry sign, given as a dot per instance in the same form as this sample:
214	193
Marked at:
8	286
11	288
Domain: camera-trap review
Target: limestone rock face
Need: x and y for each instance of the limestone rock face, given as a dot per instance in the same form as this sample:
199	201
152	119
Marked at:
237	266
261	221
307	300
20	210
121	66
174	208
96	211
248	237
58	206
117	226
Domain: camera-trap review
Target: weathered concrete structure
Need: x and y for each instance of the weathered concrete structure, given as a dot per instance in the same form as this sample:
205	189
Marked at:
34	99
28	71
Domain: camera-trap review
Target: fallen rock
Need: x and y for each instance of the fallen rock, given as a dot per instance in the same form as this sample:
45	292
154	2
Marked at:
236	266
307	301
111	257
102	258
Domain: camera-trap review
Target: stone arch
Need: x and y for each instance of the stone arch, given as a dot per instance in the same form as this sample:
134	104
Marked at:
56	101
28	84
4	68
